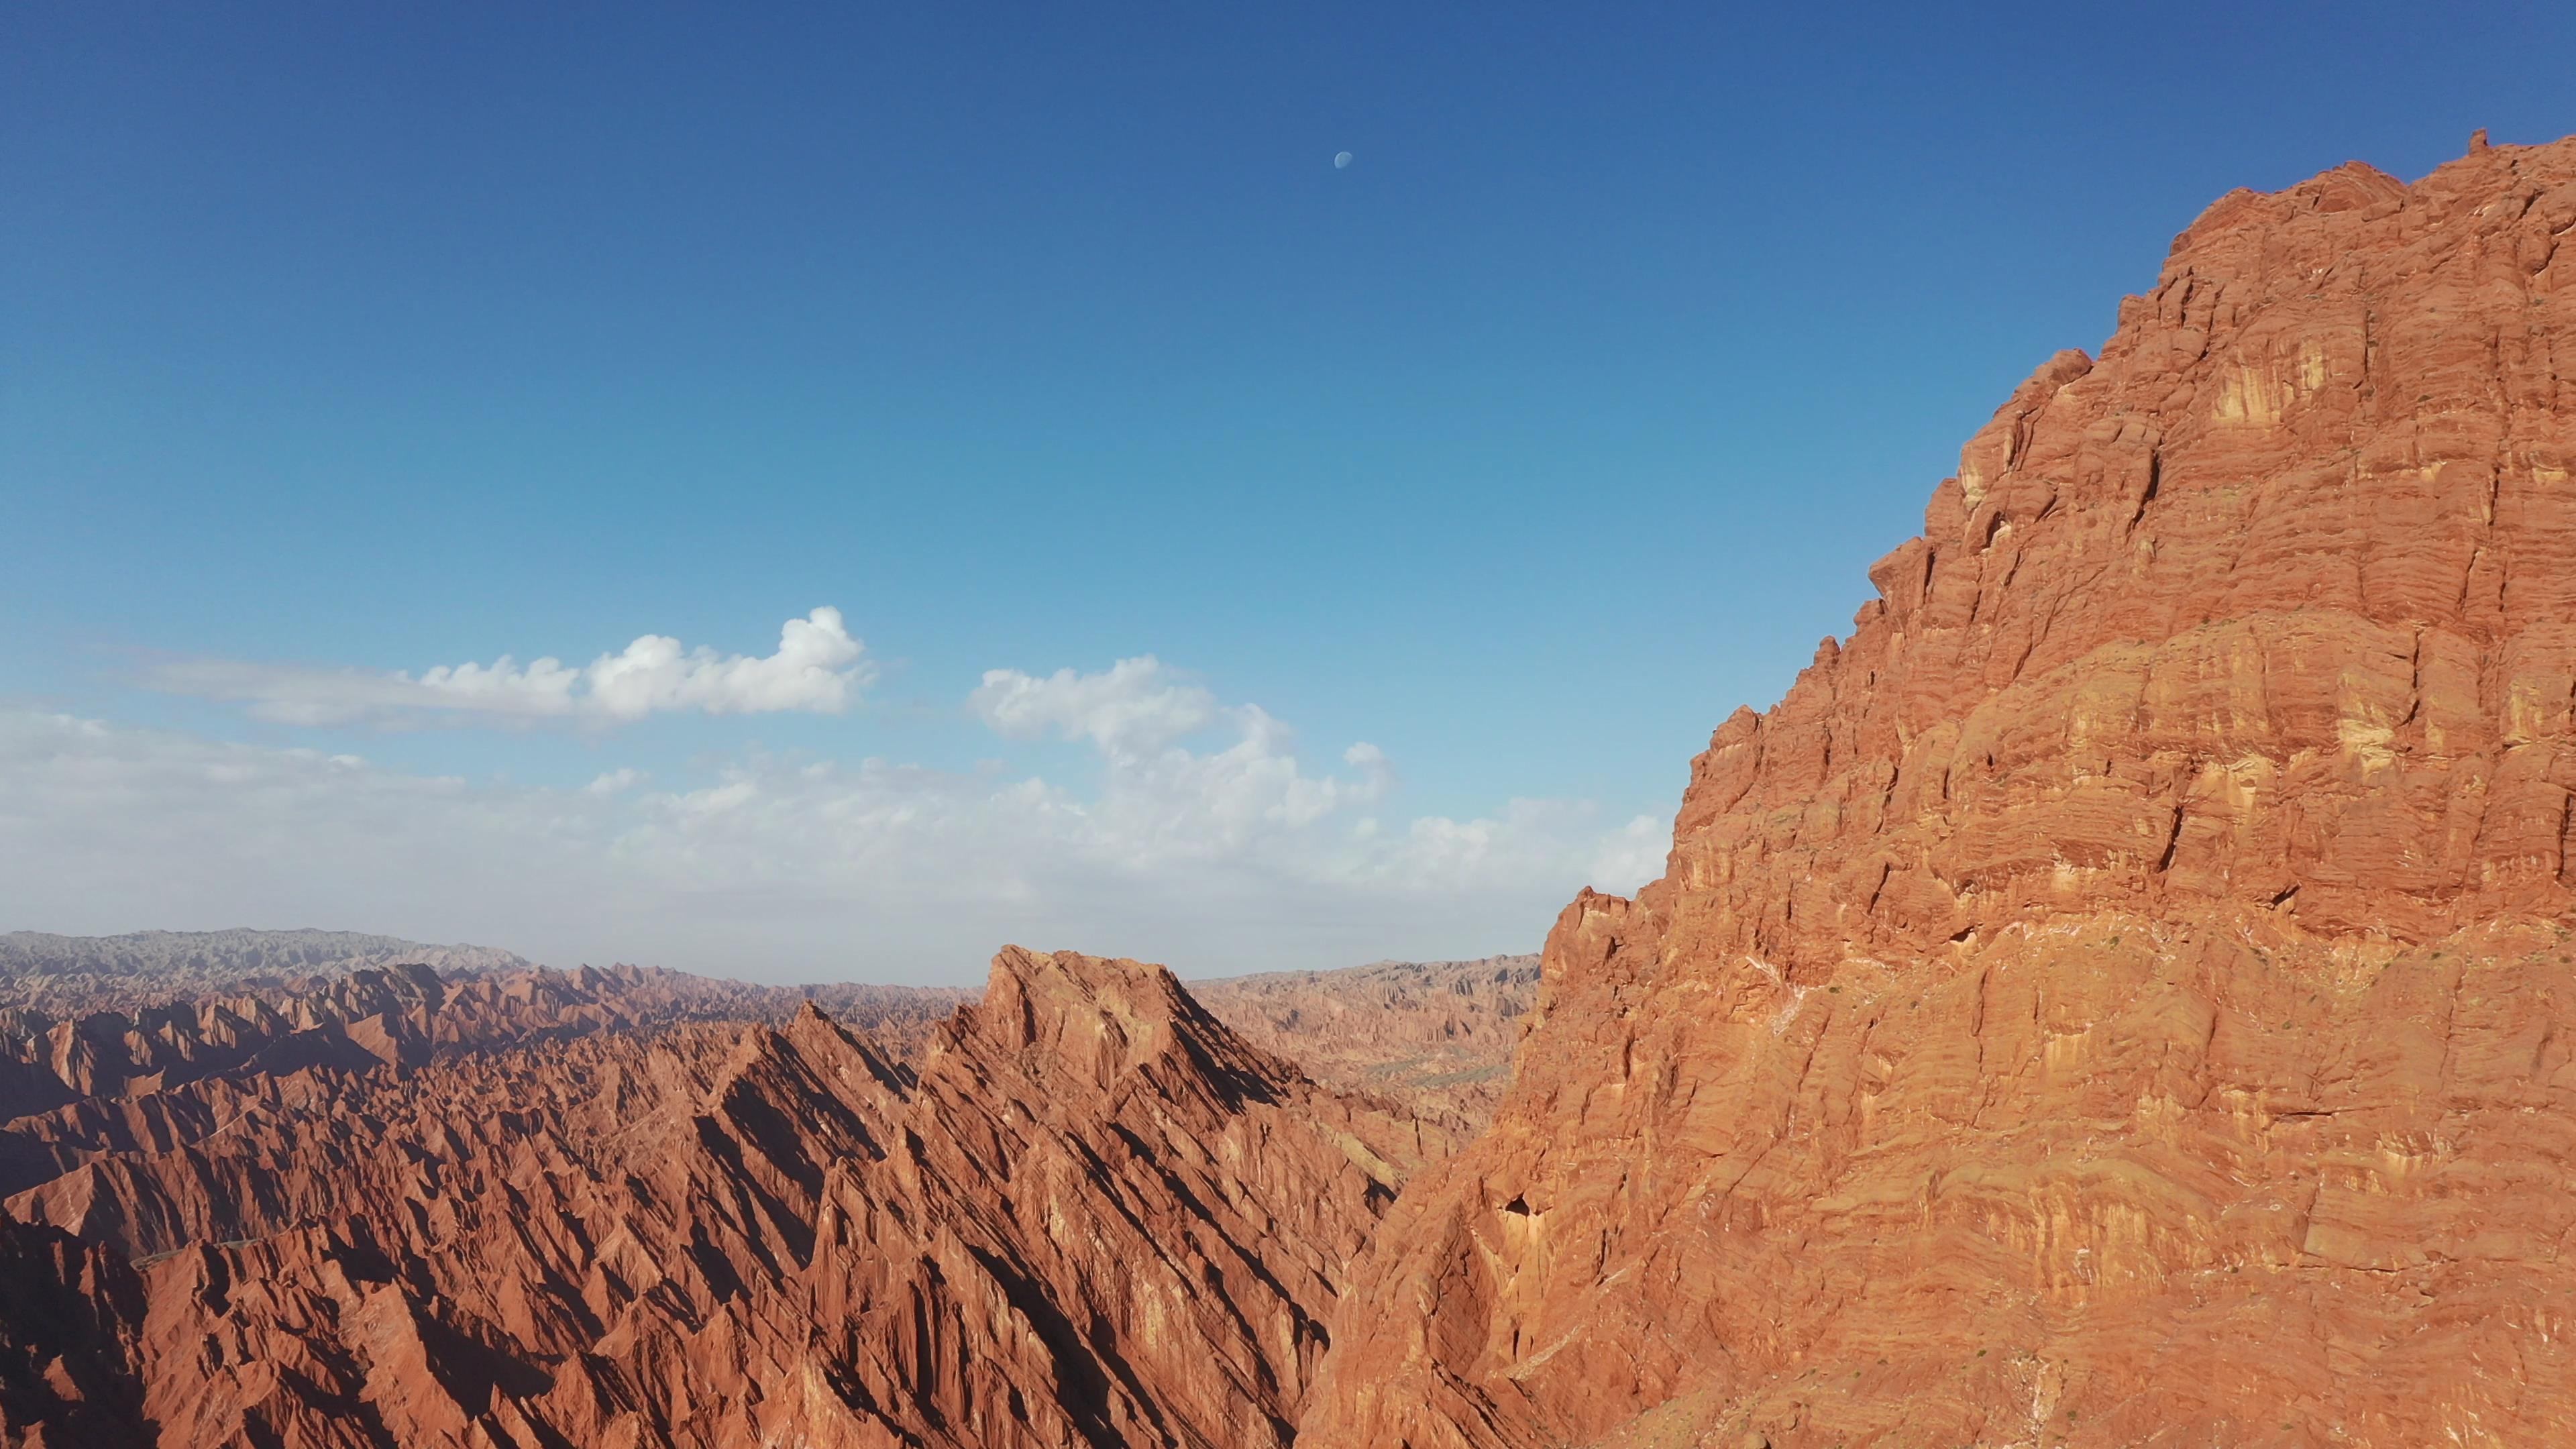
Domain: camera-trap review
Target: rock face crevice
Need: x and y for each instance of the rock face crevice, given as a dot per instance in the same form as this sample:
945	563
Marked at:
2123	988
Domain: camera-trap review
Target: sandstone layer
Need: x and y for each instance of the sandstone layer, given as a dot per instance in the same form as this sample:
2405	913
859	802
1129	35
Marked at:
1087	1215
2122	994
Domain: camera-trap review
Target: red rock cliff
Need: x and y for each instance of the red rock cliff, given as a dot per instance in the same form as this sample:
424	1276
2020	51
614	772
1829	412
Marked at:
2121	994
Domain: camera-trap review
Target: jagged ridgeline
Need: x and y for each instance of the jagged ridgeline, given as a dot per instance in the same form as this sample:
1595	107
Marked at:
1084	1212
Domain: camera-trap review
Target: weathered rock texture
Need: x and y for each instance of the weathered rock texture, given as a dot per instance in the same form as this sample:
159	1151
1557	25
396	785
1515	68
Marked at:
2122	995
1089	1215
1436	1036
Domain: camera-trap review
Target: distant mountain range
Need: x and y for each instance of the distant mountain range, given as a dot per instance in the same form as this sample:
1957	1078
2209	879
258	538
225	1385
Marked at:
1437	1035
40	968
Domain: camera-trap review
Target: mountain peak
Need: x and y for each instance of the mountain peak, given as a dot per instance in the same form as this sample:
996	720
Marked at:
1099	1015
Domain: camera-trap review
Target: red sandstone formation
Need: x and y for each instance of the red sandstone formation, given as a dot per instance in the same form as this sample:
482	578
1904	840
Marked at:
1436	1036
68	1311
2122	995
1090	1215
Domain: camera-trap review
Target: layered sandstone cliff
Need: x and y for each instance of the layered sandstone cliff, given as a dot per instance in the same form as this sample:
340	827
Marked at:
2122	995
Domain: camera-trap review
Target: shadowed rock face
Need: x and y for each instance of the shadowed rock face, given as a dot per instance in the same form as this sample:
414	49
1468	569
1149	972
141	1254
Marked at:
1087	1215
68	1315
2122	994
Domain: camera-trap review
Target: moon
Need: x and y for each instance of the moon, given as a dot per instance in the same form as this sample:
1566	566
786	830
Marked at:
1341	159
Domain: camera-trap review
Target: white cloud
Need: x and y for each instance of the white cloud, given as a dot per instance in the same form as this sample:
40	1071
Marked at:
1234	857
818	667
1158	800
1136	706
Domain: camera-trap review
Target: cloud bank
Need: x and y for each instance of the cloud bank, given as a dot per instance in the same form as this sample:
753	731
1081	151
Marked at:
1135	705
818	667
1206	840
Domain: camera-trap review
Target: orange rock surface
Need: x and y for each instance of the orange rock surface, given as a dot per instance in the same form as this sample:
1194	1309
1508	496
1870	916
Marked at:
2122	994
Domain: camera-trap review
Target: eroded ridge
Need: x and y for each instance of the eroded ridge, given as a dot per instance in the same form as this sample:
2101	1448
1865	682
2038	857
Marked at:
1085	1214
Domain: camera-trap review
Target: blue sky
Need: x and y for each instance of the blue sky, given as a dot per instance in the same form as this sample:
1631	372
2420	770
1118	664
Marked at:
340	341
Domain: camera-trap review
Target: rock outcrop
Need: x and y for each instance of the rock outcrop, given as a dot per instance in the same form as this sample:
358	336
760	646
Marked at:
68	1311
1087	1215
2122	994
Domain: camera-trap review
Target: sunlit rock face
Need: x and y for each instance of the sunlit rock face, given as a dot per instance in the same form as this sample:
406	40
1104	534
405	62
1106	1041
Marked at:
2122	995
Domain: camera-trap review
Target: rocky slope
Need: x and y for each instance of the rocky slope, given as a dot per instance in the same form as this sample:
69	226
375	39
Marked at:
1089	1215
1435	1035
2122	994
